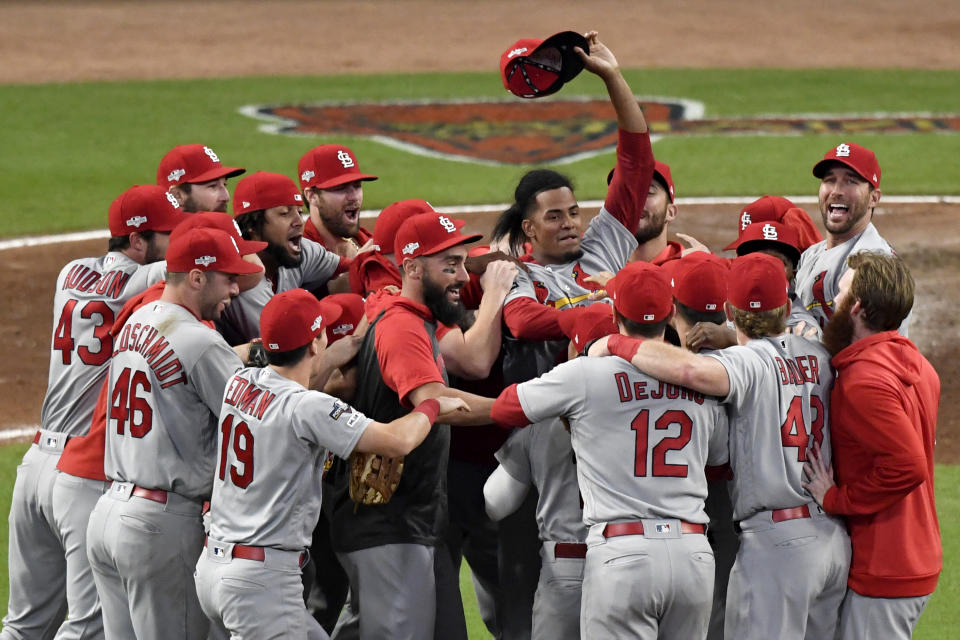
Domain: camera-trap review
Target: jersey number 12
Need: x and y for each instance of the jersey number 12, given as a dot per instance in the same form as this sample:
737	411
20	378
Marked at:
641	424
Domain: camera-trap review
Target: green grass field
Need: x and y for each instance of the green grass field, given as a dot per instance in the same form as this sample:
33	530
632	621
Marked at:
69	149
940	620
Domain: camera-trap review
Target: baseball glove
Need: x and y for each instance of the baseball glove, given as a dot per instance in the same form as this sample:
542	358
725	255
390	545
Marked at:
374	478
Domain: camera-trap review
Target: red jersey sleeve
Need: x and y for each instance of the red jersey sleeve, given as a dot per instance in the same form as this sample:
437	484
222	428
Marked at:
631	180
528	319
507	410
405	353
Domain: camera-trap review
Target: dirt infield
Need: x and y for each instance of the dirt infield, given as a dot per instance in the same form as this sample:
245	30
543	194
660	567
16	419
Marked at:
110	40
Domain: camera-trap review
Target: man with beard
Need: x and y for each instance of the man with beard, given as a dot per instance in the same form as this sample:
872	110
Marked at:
195	177
659	211
49	572
165	388
267	208
776	388
884	418
332	187
849	191
401	366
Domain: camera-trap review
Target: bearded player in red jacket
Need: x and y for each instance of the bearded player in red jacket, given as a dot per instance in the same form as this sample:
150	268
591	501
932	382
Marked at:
883	417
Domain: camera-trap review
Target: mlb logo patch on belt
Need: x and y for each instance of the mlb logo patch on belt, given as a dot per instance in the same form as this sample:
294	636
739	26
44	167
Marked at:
52	441
663	527
219	551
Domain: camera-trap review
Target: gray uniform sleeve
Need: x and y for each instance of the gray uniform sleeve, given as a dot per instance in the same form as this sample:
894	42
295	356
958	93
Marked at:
606	236
718	451
559	392
522	287
318	264
329	423
514	455
211	372
743	367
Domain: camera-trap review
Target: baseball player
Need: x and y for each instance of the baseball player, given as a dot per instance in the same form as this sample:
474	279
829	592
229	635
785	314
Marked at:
849	191
166	385
884	414
332	186
781	241
401	366
273	440
659	210
266	206
546	213
790	573
778	209
195	177
48	571
641	449
373	270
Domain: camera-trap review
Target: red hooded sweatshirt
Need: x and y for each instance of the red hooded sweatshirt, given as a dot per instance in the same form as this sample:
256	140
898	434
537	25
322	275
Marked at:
883	420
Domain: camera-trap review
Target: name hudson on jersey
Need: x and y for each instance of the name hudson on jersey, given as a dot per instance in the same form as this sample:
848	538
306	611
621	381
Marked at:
85	279
155	349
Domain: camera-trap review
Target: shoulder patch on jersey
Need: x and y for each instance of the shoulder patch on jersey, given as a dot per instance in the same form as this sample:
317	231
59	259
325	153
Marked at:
340	408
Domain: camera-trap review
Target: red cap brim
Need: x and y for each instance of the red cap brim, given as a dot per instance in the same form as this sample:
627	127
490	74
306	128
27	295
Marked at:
214	174
344	179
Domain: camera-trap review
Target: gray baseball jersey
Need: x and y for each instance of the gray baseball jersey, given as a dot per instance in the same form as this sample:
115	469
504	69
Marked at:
799	313
606	246
820	270
90	292
240	322
779	406
166	387
541	455
641	445
273	442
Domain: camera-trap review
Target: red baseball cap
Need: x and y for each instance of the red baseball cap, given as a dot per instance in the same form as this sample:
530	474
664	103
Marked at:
757	282
699	281
263	190
351	312
661	170
144	207
641	292
207	250
329	166
858	158
776	235
583	325
221	221
294	318
532	68
428	233
390	219
193	163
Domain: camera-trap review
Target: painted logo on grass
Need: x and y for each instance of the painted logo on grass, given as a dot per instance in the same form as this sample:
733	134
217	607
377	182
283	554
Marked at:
532	132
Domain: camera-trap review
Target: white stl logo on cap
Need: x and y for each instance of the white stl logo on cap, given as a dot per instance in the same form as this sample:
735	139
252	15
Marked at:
745	220
770	232
136	221
211	154
843	151
172	199
447	224
516	52
345	159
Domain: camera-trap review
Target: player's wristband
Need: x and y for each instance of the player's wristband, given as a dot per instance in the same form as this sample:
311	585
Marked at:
623	346
429	408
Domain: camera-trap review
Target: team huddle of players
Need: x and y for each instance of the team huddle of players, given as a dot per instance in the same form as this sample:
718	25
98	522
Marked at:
210	376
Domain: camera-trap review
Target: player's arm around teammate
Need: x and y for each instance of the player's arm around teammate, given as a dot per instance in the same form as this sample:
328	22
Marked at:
274	437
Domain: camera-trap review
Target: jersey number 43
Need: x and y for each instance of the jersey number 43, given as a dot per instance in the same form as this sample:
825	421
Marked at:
794	432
